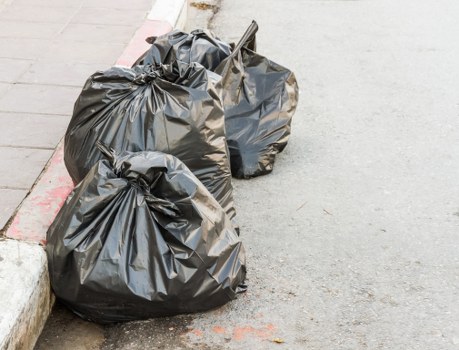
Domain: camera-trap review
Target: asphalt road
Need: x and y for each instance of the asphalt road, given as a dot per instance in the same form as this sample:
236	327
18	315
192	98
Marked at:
353	239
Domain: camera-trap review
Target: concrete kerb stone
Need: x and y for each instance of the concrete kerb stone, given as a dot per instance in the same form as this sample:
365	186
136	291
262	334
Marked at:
24	282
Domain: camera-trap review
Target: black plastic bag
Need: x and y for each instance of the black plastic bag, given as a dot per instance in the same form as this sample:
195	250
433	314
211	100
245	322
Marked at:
259	96
169	108
141	237
199	46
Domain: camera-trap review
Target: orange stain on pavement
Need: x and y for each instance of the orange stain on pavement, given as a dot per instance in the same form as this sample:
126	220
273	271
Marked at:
218	330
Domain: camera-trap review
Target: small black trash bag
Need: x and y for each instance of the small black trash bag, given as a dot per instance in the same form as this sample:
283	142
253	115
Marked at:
141	237
199	46
259	96
169	108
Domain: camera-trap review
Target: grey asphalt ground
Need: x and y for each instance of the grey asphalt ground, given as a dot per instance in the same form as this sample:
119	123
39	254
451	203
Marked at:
353	239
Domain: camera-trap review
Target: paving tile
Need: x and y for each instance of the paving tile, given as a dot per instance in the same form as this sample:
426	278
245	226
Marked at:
29	13
22	29
9	201
81	52
4	88
45	99
70	74
98	33
112	16
52	3
11	69
119	4
32	130
20	167
23	48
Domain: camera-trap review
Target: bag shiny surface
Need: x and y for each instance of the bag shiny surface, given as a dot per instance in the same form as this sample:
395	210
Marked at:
170	108
259	96
141	237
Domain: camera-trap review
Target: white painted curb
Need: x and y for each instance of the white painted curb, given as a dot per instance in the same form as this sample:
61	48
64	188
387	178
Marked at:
167	10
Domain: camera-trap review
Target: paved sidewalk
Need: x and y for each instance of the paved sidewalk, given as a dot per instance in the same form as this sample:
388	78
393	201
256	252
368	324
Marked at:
47	50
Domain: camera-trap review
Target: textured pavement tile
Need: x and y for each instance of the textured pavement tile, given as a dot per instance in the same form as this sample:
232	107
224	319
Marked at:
52	3
23	48
109	16
3	88
119	4
9	201
22	29
72	74
98	33
81	52
20	167
46	99
32	130
11	69
29	13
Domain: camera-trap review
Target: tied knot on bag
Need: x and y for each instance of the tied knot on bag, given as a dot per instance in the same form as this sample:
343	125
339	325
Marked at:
147	75
145	182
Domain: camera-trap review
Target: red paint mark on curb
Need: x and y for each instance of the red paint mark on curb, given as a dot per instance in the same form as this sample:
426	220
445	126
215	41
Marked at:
38	211
137	46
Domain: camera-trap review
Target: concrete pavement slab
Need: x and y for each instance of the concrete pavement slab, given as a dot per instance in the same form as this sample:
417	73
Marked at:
60	73
90	15
52	3
21	166
32	30
81	52
24	48
15	130
49	99
4	88
119	4
97	33
11	69
10	200
34	13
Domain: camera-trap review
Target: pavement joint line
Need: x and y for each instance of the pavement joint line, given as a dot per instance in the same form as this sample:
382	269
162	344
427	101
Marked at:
14	188
28	147
19	82
44	114
34	215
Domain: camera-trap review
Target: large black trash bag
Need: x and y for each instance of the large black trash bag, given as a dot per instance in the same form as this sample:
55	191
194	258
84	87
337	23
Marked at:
141	237
169	108
199	46
259	96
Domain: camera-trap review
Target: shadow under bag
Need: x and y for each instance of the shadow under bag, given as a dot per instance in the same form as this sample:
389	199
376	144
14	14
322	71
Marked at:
141	237
169	108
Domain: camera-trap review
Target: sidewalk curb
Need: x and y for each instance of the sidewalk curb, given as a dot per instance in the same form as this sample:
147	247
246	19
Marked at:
26	297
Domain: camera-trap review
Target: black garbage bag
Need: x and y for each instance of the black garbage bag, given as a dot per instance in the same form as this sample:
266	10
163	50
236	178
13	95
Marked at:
198	46
169	108
141	237
259	96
